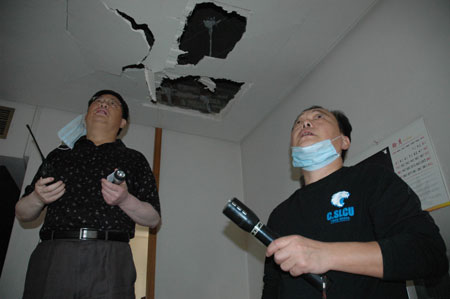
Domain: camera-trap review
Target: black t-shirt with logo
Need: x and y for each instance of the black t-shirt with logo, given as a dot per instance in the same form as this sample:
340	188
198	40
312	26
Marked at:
361	203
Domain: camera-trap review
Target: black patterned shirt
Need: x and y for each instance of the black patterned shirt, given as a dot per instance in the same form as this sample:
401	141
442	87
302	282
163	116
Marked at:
81	169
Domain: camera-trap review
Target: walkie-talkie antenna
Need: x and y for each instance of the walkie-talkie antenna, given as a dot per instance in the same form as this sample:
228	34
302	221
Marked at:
35	142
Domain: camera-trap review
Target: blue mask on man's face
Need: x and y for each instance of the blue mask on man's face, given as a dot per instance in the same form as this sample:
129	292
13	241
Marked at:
314	156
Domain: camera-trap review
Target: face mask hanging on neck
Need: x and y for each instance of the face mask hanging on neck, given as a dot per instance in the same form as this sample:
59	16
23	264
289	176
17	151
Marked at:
314	156
71	132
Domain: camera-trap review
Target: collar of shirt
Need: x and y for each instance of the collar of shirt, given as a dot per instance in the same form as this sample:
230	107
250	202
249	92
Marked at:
84	142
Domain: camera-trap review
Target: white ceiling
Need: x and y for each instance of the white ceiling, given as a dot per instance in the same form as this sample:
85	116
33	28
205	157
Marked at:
57	53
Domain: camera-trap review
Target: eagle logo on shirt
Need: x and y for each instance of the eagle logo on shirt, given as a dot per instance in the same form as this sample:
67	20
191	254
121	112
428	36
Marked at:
337	199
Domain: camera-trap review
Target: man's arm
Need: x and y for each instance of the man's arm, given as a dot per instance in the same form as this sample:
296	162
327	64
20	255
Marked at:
141	212
298	255
408	244
29	207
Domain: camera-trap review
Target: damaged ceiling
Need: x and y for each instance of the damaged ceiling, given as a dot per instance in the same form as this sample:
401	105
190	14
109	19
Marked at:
208	68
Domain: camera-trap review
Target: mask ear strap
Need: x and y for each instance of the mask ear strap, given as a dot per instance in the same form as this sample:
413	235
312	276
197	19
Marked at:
344	142
336	138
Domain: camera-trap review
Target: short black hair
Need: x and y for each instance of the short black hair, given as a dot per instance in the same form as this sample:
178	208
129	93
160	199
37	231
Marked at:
125	111
344	124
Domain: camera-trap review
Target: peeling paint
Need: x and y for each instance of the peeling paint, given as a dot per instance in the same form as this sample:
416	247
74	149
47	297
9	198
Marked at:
210	84
150	80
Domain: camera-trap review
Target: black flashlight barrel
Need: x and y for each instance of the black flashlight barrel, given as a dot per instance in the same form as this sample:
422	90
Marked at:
246	219
265	235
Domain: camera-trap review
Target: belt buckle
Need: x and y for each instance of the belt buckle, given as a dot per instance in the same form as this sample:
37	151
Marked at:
86	234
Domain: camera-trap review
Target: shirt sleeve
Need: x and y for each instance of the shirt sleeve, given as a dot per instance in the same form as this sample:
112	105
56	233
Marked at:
410	242
143	183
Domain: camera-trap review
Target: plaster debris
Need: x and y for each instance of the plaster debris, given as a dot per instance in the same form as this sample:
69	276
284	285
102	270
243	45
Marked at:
210	84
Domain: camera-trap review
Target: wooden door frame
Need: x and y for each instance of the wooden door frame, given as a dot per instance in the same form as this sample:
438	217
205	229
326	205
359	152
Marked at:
151	249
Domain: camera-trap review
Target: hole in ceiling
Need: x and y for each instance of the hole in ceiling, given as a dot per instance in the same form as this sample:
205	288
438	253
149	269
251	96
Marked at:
210	31
190	93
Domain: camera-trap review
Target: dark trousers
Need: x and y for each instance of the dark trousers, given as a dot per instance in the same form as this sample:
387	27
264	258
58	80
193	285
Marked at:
76	269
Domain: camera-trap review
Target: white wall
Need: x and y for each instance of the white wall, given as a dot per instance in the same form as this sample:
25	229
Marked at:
391	69
199	254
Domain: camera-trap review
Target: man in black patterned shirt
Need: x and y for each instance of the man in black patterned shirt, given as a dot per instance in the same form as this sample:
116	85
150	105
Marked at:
84	250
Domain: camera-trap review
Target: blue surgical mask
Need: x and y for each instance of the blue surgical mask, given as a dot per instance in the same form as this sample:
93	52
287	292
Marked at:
71	132
314	156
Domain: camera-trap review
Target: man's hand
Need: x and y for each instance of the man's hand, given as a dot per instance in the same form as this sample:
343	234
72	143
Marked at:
298	255
29	207
114	194
141	212
48	194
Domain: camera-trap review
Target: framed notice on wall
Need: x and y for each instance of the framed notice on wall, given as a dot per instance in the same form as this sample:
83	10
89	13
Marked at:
411	155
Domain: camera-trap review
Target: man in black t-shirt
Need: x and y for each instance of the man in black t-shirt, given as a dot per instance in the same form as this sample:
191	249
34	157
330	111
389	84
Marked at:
84	251
361	226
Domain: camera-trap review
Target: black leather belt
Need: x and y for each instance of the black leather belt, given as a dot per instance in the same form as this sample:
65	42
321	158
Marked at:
86	234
